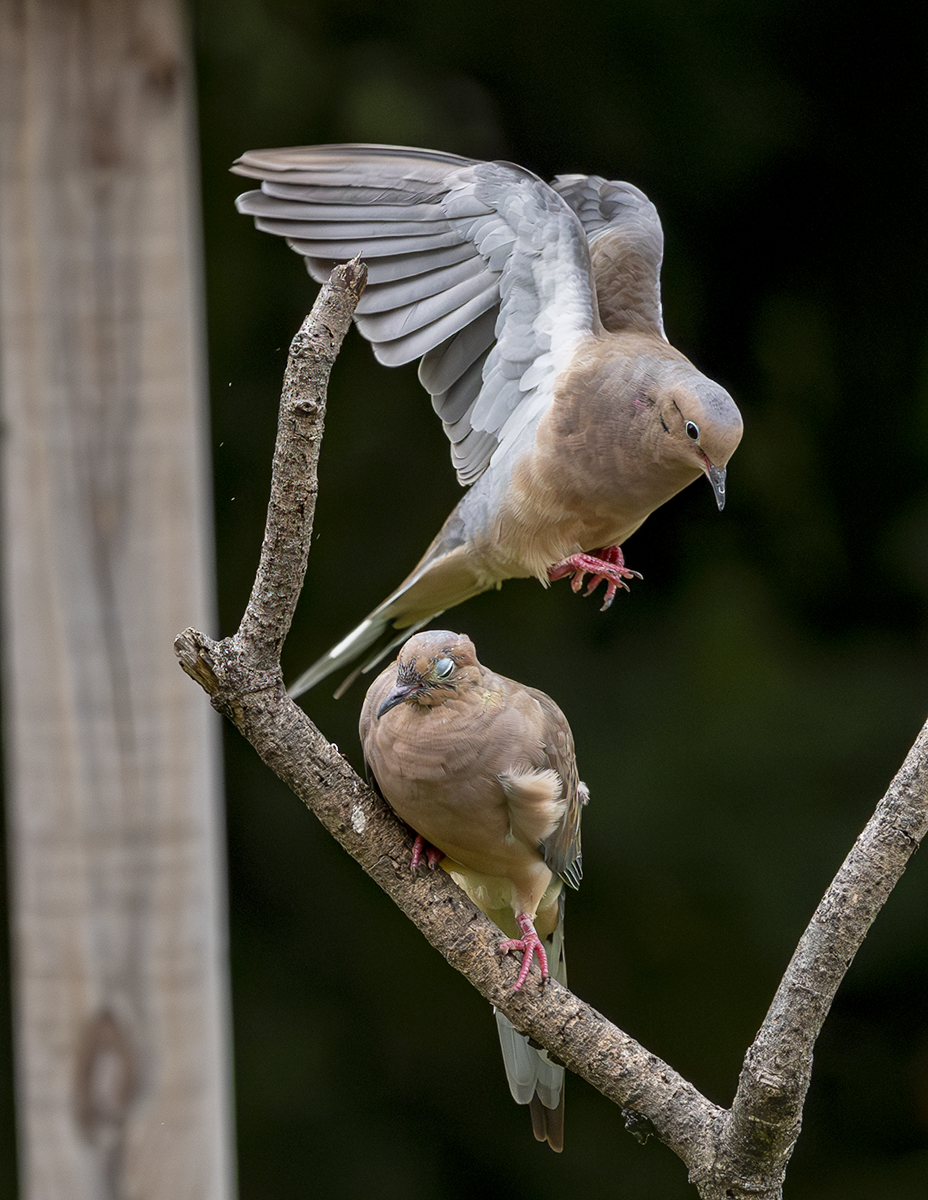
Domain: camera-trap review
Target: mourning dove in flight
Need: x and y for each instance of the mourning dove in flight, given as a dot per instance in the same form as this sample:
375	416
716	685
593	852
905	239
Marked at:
535	312
482	769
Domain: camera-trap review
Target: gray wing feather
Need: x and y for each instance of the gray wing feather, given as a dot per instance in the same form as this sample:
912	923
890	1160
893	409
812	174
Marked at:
497	281
312	242
458	398
561	850
402	266
394	293
405	317
471	453
603	204
290	205
627	245
444	366
407	346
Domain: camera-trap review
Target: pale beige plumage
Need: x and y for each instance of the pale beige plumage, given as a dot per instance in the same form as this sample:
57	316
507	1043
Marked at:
535	310
483	769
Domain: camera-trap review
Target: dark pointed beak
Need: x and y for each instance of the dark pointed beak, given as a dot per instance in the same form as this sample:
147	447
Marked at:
717	479
399	693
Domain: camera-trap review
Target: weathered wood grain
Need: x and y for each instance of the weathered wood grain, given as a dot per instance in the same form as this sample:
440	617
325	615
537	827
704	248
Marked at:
119	924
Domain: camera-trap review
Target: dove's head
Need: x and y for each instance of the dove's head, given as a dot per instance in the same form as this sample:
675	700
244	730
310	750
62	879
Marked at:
700	425
431	669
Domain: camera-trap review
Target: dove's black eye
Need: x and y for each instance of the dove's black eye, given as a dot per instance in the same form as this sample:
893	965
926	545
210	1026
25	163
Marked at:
692	430
443	668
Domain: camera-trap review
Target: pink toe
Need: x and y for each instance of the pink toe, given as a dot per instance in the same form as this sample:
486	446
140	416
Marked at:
530	947
423	849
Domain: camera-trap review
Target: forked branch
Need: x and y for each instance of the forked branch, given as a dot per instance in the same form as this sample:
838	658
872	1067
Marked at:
738	1153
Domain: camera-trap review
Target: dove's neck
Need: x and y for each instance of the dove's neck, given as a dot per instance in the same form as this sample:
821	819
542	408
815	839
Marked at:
595	468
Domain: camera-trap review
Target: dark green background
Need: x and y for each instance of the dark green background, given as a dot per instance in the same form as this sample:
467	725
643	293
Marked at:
736	716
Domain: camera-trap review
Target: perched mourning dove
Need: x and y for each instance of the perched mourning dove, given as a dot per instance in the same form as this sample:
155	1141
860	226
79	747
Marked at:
483	770
535	311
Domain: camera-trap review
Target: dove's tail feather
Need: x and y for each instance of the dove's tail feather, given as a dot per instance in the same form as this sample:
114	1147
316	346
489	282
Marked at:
375	637
445	576
533	1078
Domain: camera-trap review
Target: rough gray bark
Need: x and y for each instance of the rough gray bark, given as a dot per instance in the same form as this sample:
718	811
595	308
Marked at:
731	1154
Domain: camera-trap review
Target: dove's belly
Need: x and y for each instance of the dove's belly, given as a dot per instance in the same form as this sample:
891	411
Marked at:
452	796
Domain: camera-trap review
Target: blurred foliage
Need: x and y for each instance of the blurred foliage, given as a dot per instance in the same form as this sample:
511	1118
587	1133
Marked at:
737	715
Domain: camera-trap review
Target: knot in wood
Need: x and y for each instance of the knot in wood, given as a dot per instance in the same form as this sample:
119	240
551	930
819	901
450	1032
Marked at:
105	1079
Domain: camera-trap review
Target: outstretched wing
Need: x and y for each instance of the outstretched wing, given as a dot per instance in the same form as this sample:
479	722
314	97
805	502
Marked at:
481	270
627	245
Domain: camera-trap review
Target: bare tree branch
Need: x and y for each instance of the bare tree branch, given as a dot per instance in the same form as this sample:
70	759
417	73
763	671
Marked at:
766	1116
741	1152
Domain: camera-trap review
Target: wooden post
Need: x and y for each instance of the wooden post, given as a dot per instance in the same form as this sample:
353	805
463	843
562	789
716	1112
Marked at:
119	941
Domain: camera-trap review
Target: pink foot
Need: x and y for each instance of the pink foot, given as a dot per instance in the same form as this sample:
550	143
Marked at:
530	946
421	849
605	566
